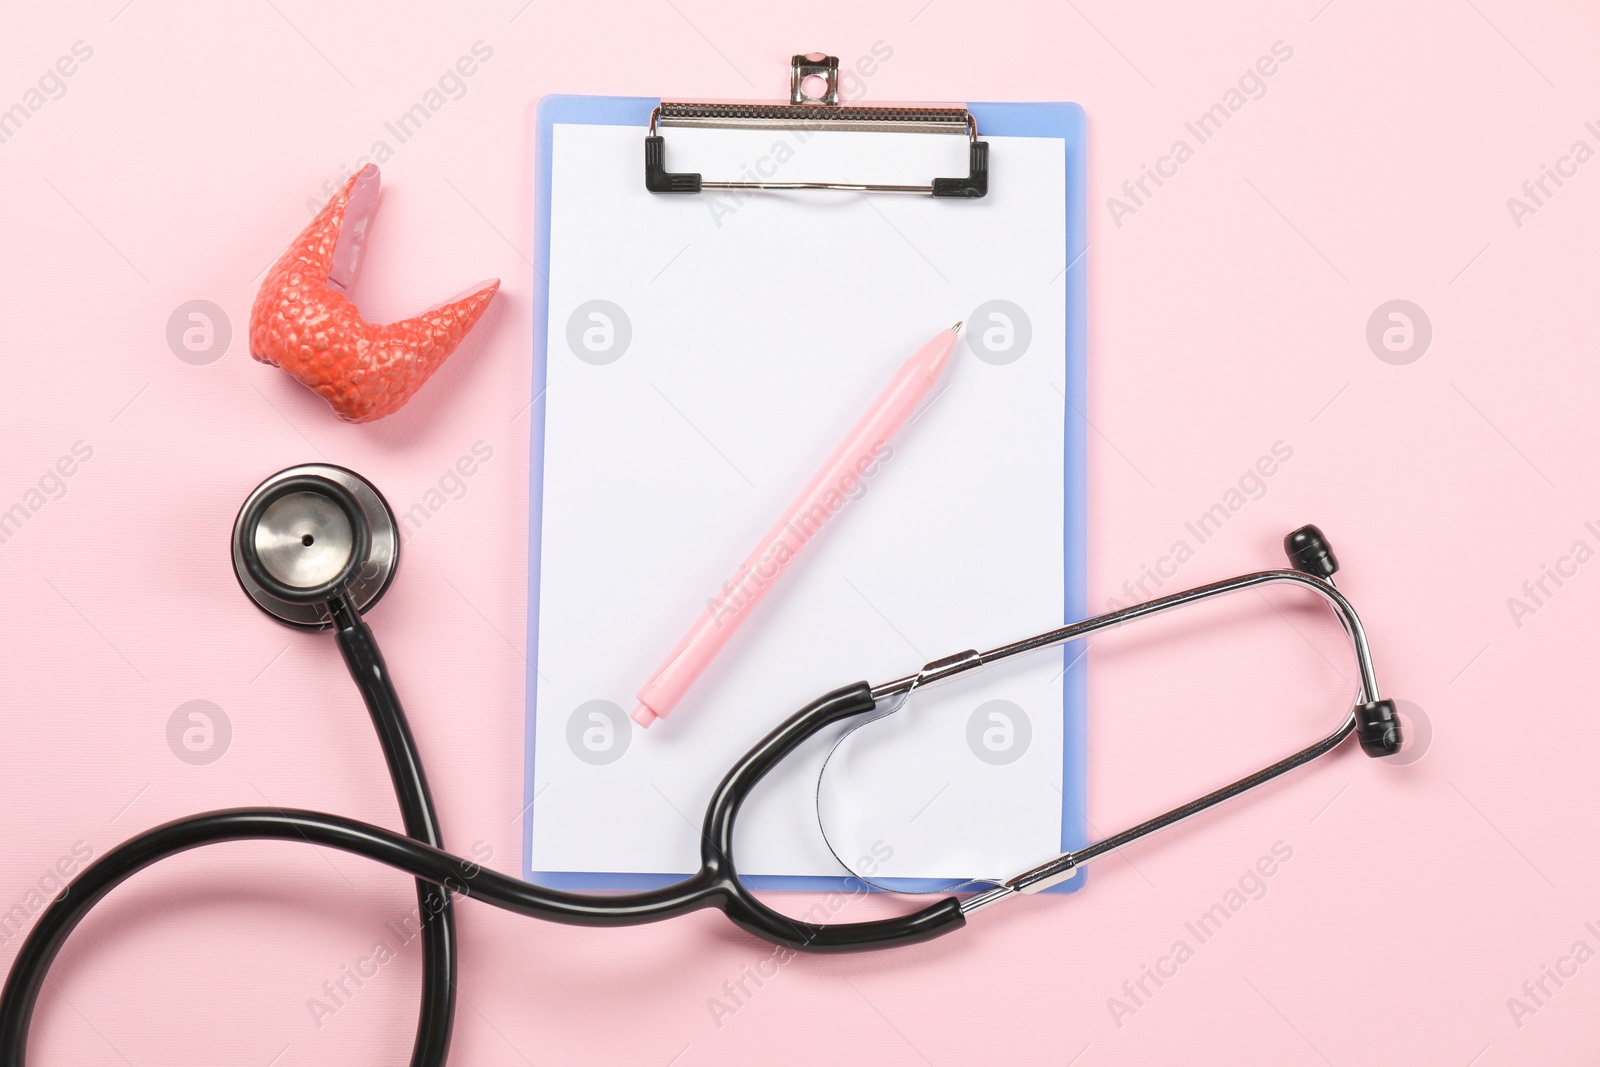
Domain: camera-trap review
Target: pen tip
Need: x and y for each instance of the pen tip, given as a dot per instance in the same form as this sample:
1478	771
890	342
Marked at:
956	328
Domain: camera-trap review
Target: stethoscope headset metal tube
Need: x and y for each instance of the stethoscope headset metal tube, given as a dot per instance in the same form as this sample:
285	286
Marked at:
715	885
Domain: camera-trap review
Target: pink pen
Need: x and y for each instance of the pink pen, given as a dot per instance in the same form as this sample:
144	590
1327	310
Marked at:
826	493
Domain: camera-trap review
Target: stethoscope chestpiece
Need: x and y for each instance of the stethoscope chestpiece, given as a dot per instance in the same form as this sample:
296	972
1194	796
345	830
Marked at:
308	533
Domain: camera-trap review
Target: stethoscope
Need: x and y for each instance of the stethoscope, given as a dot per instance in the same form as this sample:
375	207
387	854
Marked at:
316	546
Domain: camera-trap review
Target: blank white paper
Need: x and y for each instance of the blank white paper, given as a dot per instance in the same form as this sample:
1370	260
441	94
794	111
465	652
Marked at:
758	329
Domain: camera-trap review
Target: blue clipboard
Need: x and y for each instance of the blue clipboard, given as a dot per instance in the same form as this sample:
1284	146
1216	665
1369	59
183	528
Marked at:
1050	120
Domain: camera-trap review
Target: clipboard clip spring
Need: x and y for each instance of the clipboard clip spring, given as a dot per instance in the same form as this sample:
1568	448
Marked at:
821	111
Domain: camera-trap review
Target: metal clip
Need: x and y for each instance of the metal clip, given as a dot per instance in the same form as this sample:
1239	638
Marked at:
806	111
814	65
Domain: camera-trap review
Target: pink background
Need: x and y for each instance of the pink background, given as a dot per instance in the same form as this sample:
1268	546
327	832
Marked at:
1228	313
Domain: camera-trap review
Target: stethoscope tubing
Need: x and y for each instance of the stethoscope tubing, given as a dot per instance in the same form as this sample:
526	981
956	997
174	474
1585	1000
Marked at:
436	1013
714	885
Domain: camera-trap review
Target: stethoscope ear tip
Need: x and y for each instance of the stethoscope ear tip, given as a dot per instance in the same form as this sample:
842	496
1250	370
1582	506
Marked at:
1378	728
1309	552
310	533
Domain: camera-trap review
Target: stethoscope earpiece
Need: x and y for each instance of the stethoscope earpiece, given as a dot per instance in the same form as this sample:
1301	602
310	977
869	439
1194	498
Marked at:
1377	721
1309	552
309	533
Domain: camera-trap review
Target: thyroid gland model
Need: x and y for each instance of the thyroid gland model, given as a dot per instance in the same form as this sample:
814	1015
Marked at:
303	322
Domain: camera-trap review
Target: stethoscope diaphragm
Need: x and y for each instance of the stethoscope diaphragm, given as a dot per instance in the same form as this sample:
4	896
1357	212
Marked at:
307	533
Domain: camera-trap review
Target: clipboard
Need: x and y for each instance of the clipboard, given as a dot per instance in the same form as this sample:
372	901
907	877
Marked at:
667	134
